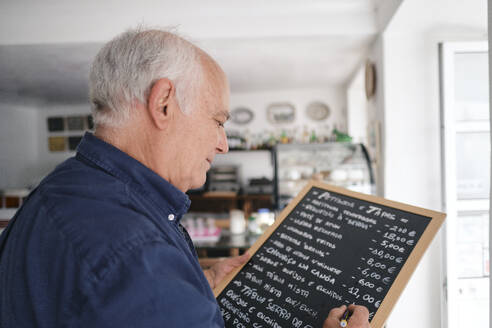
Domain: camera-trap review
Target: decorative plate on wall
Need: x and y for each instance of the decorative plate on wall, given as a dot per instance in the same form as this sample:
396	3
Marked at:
370	81
317	111
280	113
242	115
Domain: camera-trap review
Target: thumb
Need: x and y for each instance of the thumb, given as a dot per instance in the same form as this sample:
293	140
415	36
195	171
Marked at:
238	260
229	264
243	258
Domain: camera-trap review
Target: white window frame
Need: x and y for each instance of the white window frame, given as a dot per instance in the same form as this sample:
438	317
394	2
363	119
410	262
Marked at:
449	128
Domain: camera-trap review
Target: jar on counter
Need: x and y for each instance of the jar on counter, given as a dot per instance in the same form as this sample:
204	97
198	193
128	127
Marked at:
265	218
238	224
253	227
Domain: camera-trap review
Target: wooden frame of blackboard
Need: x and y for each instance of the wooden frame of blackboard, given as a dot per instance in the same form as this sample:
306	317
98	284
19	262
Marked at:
436	220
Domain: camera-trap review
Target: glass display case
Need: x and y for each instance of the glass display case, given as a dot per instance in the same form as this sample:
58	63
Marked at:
343	164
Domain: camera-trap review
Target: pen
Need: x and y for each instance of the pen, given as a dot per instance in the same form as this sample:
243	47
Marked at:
344	320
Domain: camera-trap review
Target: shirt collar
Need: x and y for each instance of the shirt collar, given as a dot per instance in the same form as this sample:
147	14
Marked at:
134	173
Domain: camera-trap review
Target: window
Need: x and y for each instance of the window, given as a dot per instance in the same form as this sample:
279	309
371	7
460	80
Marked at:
466	182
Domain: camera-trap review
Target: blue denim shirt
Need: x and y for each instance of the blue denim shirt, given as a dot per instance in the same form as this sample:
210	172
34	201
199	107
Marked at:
99	244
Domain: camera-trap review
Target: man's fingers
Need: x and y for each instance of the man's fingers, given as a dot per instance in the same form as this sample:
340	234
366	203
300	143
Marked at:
359	317
227	265
243	258
333	319
337	312
224	267
238	260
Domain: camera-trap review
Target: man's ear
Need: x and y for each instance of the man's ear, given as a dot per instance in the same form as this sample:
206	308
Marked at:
161	98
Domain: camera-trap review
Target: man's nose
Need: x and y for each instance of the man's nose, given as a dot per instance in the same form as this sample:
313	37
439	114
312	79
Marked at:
222	146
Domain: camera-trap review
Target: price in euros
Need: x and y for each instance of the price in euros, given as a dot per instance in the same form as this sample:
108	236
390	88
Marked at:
373	263
395	247
381	254
367	284
398	229
354	291
368	274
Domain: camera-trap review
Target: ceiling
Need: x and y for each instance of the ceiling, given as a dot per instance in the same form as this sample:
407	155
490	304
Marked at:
279	45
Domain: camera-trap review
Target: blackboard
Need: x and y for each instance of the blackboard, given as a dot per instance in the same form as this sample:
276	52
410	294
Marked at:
329	246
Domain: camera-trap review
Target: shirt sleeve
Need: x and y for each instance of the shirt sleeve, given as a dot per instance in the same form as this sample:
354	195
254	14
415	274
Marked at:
153	286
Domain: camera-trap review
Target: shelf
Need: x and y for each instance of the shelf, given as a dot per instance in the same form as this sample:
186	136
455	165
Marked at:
225	202
250	150
7	213
226	194
215	194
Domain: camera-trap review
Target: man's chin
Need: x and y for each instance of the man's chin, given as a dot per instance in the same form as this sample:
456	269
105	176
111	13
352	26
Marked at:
198	184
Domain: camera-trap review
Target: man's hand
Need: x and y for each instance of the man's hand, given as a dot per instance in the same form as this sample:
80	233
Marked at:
358	319
218	272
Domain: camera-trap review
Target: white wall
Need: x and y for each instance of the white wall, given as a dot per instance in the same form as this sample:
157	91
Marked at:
25	157
412	166
18	142
28	128
411	129
258	164
357	108
365	118
334	97
47	160
376	115
490	111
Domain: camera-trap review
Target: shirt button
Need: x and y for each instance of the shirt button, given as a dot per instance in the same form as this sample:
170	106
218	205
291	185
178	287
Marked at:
171	217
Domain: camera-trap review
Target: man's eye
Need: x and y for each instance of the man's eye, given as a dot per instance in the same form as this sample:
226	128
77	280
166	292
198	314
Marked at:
220	123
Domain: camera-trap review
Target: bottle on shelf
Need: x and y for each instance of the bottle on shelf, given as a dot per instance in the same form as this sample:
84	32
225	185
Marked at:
313	138
305	135
283	137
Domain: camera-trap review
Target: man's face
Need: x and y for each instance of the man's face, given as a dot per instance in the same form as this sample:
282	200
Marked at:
201	135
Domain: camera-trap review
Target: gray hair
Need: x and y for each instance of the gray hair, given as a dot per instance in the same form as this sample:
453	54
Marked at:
126	68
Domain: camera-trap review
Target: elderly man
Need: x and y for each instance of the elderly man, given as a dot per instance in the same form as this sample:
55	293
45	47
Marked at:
99	243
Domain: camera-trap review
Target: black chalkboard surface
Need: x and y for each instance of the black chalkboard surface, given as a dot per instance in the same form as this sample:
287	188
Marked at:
329	247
